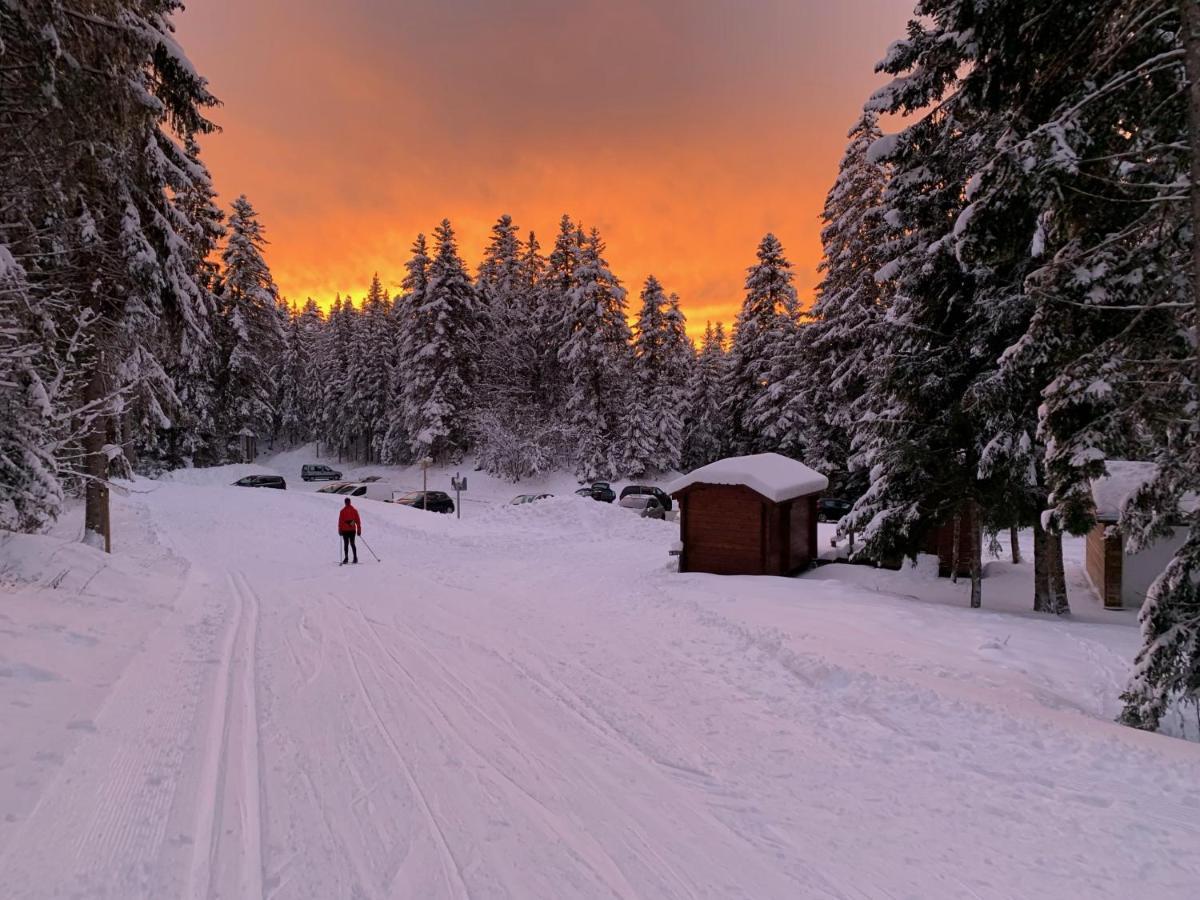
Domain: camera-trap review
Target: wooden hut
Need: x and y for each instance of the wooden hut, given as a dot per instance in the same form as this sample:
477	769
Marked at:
1120	577
748	515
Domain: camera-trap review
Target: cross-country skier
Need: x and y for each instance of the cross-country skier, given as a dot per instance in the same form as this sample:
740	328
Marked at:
349	524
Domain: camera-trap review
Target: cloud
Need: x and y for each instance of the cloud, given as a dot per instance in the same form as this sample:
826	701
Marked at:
683	130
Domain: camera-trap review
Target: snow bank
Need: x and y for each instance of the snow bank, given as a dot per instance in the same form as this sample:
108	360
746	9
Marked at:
216	476
776	477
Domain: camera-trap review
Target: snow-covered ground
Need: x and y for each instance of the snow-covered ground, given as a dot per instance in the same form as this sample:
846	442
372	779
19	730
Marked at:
531	703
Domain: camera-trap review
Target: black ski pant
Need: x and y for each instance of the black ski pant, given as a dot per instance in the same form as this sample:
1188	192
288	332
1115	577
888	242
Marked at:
348	546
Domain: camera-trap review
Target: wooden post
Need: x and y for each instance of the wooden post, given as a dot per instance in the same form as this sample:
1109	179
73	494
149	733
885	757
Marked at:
107	519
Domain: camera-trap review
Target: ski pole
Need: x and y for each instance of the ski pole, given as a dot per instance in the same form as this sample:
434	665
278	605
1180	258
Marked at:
368	546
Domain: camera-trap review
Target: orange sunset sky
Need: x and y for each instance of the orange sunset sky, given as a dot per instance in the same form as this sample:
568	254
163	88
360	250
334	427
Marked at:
683	130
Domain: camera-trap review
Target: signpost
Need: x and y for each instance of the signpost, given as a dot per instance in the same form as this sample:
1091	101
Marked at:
425	463
459	484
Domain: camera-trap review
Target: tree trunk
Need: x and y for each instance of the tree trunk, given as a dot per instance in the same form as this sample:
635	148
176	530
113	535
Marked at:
956	531
1190	11
976	536
95	464
1014	541
1059	604
1041	568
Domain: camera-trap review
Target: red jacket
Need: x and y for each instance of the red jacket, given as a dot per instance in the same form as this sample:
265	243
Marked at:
348	520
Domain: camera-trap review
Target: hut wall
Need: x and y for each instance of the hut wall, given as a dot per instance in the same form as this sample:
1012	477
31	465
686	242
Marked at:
1139	570
724	530
802	531
1102	557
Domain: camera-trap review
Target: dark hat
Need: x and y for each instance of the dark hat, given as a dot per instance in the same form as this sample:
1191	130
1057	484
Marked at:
347	501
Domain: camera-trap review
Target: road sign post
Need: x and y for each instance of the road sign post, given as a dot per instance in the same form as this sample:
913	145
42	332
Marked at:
425	463
459	484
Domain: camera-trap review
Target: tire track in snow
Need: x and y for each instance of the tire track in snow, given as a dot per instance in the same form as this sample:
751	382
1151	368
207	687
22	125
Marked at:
227	854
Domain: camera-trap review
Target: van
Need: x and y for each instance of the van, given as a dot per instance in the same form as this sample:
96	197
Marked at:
318	472
372	490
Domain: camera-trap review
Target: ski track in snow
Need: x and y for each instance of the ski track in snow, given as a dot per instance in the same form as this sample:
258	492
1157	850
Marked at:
532	705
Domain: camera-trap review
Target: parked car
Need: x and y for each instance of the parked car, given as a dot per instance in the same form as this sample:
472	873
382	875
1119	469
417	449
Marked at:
646	505
318	472
370	479
263	481
831	509
599	490
434	501
528	498
372	490
664	499
332	488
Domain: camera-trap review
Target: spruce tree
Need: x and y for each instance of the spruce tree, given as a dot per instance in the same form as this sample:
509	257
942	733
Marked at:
654	418
443	365
594	356
766	321
398	444
705	434
839	342
292	380
96	117
250	331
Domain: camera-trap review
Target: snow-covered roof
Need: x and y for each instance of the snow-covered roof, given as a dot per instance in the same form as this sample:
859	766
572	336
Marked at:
1110	491
776	477
1125	476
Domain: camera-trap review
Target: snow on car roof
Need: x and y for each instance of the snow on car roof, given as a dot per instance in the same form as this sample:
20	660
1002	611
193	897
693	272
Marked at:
776	477
1124	477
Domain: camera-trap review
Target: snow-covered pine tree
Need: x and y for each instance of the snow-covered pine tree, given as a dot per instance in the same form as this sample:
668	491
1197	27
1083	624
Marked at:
334	351
443	366
249	332
507	356
594	357
113	103
516	429
920	441
292	381
838	341
653	421
680	359
765	322
704	439
31	492
548	319
192	439
368	378
398	442
1076	223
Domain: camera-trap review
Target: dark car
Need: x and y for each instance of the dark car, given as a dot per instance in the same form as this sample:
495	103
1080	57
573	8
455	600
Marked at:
648	490
599	490
263	481
831	509
645	505
434	501
318	472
